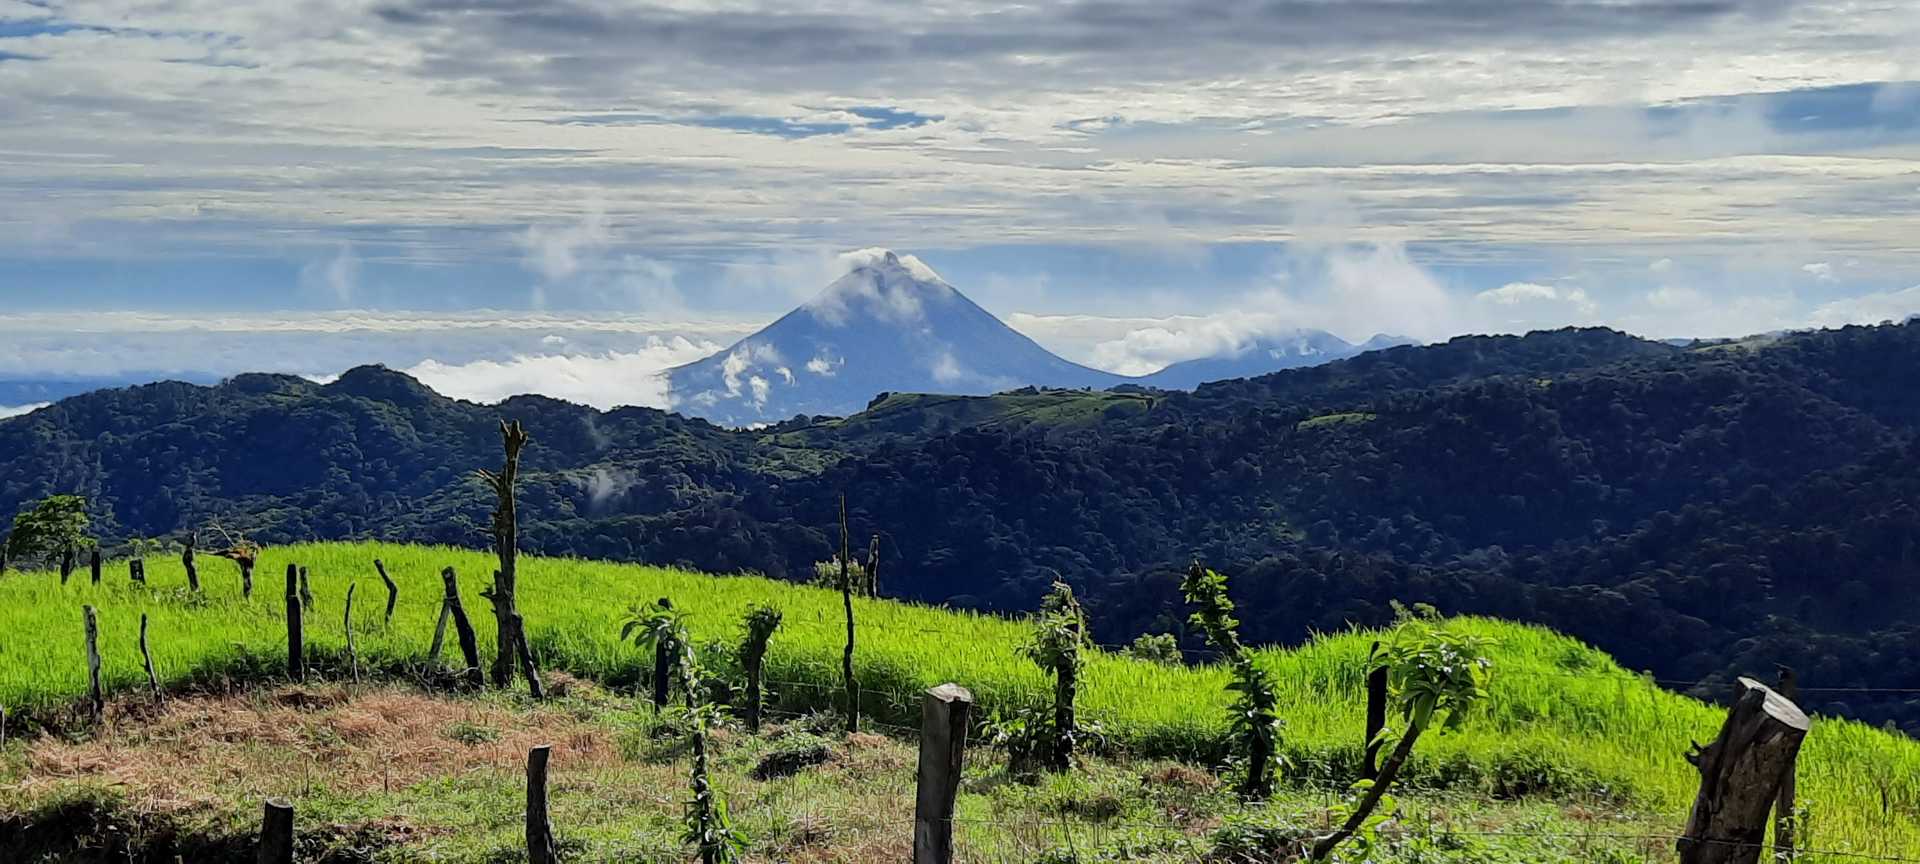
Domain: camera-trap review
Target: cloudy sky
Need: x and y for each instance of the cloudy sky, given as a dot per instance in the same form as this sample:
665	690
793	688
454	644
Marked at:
562	195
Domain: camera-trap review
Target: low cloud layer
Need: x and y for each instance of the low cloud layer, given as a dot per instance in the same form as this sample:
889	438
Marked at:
603	381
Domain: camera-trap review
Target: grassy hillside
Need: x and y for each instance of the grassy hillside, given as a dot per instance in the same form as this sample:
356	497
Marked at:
1562	719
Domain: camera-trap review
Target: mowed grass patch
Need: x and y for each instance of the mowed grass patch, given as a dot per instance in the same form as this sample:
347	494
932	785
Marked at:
1562	720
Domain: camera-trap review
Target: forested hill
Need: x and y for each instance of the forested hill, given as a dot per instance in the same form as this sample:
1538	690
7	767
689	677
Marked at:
1698	512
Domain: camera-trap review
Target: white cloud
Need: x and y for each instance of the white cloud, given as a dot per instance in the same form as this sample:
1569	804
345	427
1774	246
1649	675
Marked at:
1514	293
1820	270
823	367
18	410
554	251
335	278
603	381
1661	265
1869	308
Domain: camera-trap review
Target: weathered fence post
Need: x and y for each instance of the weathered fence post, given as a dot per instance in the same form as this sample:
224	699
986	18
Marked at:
96	696
186	560
662	667
1784	819
535	686
246	563
846	597
439	634
296	640
346	623
462	628
137	570
506	543
393	591
943	743
1376	712
153	681
276	833
873	567
93	564
1740	775
540	849
306	590
66	563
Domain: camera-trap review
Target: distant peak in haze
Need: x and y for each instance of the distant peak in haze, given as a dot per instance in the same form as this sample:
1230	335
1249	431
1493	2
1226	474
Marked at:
882	285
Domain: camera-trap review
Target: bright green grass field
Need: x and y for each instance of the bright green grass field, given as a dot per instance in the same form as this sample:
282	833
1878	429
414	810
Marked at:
1562	719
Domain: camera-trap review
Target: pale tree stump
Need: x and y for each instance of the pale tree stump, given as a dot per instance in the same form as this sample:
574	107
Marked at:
276	833
1741	772
943	746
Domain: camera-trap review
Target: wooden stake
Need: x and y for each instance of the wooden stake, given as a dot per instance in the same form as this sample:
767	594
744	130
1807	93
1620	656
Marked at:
393	591
540	848
534	685
846	598
662	667
346	623
873	567
1784	818
1376	712
439	634
186	560
93	564
296	640
306	591
137	570
276	833
943	743
246	577
66	563
96	696
153	681
463	629
1740	775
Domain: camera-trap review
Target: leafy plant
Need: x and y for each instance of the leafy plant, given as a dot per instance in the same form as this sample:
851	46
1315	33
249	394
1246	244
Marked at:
758	627
1256	724
1155	648
1433	673
664	630
1025	733
1059	631
54	527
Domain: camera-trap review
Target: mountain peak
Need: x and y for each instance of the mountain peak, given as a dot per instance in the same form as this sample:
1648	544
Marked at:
881	286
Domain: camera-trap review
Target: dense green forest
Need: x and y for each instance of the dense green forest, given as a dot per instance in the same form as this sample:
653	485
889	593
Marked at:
1699	512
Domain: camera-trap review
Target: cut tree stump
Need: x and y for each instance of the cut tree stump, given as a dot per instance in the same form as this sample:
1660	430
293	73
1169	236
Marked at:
540	846
276	833
1741	773
463	630
944	712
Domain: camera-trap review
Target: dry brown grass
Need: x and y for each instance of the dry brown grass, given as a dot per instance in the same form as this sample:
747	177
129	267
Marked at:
198	752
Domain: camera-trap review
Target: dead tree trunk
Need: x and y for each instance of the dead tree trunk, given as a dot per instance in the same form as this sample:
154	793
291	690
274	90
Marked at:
439	634
463	629
186	560
276	833
246	576
1740	775
346	624
96	696
93	565
535	686
296	639
873	567
393	591
540	848
846	598
506	543
146	656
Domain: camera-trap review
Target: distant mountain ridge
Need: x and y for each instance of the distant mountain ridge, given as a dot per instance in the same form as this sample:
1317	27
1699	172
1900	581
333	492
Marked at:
1267	354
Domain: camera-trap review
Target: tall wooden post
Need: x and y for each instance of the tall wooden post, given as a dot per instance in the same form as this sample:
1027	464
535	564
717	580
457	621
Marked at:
393	591
535	686
1740	775
97	697
146	656
439	634
246	563
943	743
296	639
93	564
1376	711
662	666
276	833
873	567
66	563
846	597
306	590
506	542
540	849
1784	819
186	560
137	571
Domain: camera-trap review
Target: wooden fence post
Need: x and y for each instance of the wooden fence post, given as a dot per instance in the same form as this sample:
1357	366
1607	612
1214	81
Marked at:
93	564
96	696
1740	774
943	743
306	591
137	570
1784	819
276	833
873	567
346	624
535	686
462	628
153	681
186	560
1376	712
662	667
540	848
66	563
246	563
439	634
296	640
393	591
846	597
